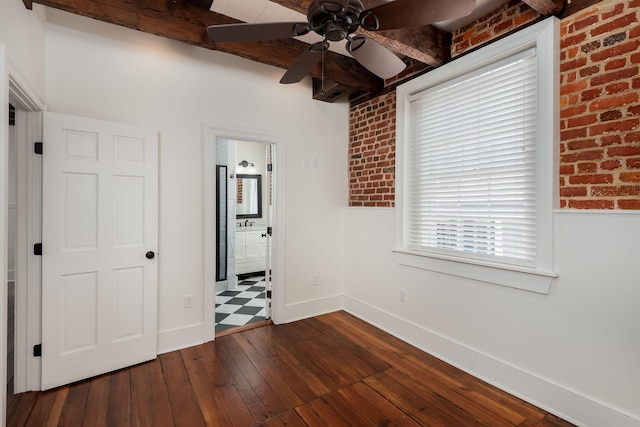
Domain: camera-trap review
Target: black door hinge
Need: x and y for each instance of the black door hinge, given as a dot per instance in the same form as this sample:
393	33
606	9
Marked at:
268	294
37	249
37	350
269	231
269	167
37	147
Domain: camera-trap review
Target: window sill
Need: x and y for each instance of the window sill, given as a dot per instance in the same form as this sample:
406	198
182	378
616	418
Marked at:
503	275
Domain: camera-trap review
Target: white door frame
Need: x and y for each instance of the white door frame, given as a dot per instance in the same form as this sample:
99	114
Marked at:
211	132
28	106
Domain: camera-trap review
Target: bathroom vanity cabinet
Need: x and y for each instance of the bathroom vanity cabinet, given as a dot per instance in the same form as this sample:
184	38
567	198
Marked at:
251	250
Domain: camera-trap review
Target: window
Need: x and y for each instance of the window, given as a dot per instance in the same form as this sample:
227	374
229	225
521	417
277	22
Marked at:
476	166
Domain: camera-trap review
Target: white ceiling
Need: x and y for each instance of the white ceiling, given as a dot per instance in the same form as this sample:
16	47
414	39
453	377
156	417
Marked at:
266	11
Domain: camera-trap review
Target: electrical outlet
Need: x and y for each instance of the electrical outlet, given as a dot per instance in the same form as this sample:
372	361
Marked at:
315	281
305	161
188	301
403	295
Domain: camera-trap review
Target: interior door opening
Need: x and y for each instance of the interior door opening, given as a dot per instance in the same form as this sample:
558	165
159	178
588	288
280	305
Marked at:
244	213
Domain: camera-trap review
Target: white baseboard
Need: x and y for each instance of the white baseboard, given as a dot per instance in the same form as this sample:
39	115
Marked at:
306	309
177	339
544	394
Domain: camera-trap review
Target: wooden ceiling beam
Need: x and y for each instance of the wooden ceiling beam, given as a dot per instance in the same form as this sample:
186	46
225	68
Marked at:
426	44
181	21
546	7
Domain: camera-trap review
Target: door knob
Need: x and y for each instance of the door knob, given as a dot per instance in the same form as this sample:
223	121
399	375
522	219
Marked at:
150	255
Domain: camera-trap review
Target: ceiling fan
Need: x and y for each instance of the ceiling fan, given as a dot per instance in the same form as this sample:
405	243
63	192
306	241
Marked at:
337	20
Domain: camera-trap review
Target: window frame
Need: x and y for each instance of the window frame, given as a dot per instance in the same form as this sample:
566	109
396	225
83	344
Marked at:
544	37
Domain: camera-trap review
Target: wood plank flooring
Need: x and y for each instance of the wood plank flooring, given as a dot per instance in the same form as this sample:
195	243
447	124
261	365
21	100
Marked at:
333	370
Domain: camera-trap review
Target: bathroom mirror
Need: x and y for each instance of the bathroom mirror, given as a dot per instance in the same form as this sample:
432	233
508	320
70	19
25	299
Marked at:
249	198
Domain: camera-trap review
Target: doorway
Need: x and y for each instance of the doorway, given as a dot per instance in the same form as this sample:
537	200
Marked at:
244	243
254	258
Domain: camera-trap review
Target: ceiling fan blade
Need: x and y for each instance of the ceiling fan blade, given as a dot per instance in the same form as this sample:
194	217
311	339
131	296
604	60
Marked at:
256	32
304	63
375	57
411	13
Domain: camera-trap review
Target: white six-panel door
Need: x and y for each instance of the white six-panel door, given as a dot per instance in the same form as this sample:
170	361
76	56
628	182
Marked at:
100	235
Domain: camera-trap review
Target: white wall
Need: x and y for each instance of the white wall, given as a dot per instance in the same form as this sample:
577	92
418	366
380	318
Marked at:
100	70
22	33
575	351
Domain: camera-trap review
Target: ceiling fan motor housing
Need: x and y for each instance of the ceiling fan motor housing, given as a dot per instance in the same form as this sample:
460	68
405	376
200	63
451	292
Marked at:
332	21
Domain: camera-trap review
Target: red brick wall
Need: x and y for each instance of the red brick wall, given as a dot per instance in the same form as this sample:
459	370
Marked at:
512	15
372	152
600	109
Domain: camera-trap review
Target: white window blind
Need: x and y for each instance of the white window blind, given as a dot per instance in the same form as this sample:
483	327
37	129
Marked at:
472	159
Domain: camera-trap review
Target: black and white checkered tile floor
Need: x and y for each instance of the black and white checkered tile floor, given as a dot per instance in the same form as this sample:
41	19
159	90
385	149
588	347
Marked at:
241	306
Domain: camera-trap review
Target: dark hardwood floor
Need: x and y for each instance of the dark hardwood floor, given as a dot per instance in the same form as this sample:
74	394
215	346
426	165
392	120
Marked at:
333	370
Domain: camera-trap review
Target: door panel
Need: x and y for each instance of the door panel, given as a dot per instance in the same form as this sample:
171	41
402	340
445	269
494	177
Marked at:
99	291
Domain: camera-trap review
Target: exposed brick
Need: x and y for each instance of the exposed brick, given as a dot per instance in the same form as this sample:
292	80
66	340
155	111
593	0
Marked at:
582	155
573	111
584	23
607	140
589	71
629	203
615	64
610	165
587	167
623	151
631	137
633	163
528	16
590	94
572	40
582	120
591	204
617	10
617	88
614	76
610	115
615	190
630	176
567	169
591	46
573	134
615	50
480	38
613	39
621	22
593	179
573	191
576	63
613	126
